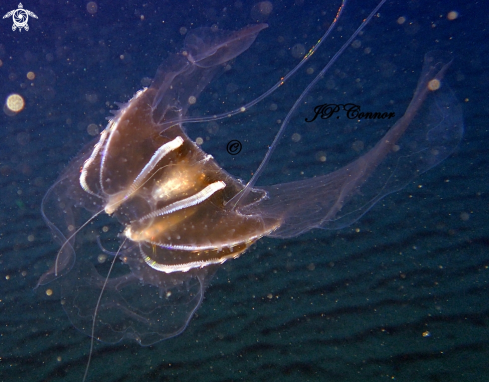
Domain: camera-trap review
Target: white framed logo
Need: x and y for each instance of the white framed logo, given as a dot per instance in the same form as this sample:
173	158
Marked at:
20	17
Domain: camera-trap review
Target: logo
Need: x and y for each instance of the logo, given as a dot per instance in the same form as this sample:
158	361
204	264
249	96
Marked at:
20	17
234	147
351	110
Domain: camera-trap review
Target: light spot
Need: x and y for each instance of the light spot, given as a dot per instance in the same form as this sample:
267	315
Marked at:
192	100
320	156
199	141
15	103
434	84
31	75
49	292
101	258
452	15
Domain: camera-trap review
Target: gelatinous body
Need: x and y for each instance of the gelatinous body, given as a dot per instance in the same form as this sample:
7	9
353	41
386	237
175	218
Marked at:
182	215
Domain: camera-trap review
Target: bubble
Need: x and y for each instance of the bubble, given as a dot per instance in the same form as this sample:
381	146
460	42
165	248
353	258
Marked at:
358	146
231	88
261	11
356	44
146	81
92	7
401	20
101	258
31	75
91	97
192	100
92	129
212	127
298	50
49	292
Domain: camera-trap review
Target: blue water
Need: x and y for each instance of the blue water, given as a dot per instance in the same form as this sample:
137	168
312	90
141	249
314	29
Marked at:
399	295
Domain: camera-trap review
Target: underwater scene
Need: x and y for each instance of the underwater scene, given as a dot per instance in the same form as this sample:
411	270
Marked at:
244	191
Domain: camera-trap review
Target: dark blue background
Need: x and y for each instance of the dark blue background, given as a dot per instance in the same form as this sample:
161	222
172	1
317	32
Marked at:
348	305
